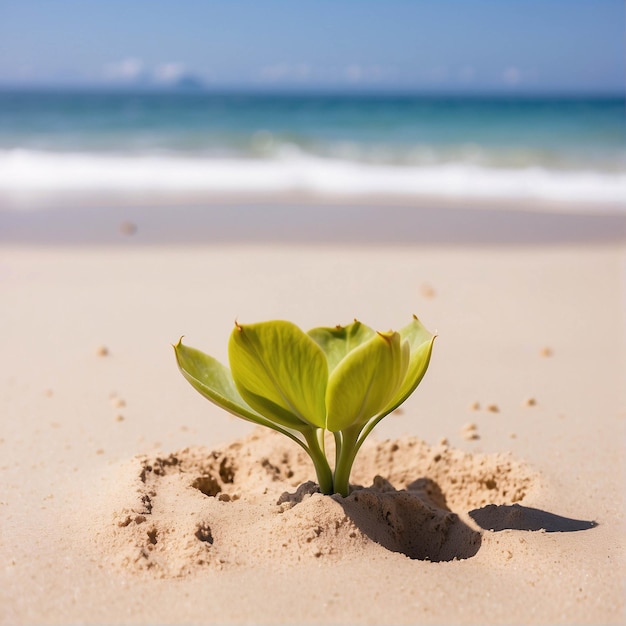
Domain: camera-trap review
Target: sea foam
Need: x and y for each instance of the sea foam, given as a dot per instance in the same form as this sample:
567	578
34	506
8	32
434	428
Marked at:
38	171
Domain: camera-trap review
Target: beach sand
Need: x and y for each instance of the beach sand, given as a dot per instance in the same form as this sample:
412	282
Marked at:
495	495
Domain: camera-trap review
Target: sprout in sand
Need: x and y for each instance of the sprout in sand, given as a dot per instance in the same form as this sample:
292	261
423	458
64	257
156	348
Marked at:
343	380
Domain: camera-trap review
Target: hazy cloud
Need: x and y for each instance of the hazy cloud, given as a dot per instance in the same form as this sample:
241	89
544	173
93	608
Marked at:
438	74
512	76
170	72
285	72
134	71
354	73
129	69
467	74
303	73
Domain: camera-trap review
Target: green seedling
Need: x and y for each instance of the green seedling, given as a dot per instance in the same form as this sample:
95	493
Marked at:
343	380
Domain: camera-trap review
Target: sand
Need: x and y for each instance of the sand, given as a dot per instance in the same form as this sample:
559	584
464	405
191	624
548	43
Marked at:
495	495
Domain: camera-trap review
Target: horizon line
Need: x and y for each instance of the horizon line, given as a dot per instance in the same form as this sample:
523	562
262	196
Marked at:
318	90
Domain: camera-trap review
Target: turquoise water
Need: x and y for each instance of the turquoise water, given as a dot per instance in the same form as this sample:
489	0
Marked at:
550	148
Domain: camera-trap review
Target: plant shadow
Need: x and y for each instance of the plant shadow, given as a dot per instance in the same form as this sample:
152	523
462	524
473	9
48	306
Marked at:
413	521
517	517
417	522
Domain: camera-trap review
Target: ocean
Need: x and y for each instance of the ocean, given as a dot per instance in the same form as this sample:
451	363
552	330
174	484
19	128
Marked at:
564	150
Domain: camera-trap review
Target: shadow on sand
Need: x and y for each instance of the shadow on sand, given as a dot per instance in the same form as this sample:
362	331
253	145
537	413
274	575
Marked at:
417	522
517	517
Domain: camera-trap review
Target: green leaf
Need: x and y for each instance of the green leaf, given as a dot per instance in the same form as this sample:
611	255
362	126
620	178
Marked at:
339	341
365	381
215	382
420	342
279	371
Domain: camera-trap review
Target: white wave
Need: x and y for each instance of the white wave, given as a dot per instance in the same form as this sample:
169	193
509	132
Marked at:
31	171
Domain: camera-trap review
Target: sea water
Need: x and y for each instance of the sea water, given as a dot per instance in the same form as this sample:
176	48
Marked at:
570	150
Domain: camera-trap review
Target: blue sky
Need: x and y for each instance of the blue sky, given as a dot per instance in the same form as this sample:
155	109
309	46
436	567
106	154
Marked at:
436	45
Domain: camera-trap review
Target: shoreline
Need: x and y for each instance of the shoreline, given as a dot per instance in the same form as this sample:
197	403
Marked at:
302	220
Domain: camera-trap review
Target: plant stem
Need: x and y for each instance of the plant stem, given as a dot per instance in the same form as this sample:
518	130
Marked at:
338	446
345	460
322	469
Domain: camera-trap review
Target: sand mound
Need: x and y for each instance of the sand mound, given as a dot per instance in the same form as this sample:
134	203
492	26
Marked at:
250	500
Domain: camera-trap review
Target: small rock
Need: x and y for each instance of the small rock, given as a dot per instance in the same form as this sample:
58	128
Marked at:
102	351
492	408
128	228
530	402
545	352
427	291
117	402
469	432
